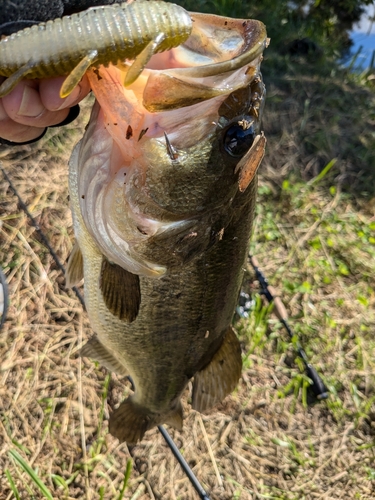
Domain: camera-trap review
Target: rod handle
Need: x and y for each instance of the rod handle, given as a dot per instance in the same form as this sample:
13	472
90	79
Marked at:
254	261
279	308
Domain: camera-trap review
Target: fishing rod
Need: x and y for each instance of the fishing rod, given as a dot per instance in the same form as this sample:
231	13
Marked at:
318	387
184	465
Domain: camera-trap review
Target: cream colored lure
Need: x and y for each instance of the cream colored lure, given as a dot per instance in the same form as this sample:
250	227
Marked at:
97	36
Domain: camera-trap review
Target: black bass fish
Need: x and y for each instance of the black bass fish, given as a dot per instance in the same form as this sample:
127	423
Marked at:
162	189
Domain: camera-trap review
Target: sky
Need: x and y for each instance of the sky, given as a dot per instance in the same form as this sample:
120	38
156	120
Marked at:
365	24
364	35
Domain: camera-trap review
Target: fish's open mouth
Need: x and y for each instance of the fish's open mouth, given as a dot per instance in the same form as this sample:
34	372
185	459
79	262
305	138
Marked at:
174	104
221	56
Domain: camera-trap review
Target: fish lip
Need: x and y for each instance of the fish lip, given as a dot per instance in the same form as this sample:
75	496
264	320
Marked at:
249	52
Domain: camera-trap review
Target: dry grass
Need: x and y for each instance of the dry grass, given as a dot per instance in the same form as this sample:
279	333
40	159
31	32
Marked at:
259	443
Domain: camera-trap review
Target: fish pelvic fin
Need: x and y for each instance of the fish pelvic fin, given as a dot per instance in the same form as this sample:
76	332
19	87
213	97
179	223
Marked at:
95	349
74	268
220	377
121	291
130	421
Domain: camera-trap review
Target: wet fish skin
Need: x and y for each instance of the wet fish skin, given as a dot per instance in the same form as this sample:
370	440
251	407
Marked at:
182	326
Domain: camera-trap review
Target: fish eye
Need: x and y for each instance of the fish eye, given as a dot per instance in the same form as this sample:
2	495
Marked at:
239	138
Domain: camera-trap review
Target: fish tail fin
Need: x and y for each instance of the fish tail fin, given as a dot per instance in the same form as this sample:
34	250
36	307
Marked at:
220	377
175	417
130	421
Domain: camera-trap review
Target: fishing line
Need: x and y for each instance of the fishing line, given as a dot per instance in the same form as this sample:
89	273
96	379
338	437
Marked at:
176	452
4	298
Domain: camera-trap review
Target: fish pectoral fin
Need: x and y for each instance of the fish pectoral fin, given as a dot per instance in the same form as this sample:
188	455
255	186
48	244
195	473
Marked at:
9	84
130	421
95	349
121	291
74	268
220	377
175	418
76	75
142	59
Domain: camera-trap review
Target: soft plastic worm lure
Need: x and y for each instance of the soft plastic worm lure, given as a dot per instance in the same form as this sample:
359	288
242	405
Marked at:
96	36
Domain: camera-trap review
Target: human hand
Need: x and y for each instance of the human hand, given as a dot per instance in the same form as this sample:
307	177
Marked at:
34	105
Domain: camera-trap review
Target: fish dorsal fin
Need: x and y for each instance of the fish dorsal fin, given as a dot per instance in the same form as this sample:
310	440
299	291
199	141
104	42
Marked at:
76	75
220	376
121	291
9	84
74	268
142	59
130	421
176	417
95	349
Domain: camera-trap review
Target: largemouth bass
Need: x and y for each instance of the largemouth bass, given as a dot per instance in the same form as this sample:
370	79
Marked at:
162	189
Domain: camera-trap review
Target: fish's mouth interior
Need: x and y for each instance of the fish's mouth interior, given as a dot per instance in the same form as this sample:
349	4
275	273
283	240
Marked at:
217	48
189	82
216	45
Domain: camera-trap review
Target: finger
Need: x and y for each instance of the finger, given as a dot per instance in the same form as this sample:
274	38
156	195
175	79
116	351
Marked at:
16	132
24	106
49	90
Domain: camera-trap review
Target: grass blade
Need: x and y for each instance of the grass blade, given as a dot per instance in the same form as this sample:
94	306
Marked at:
12	485
129	466
31	473
324	172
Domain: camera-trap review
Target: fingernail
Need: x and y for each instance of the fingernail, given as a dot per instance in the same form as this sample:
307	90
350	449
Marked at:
31	105
71	99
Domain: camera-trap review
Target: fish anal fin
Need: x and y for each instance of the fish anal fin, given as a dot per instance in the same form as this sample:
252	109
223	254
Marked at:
95	349
121	291
176	417
142	59
76	75
74	268
9	84
130	422
220	377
